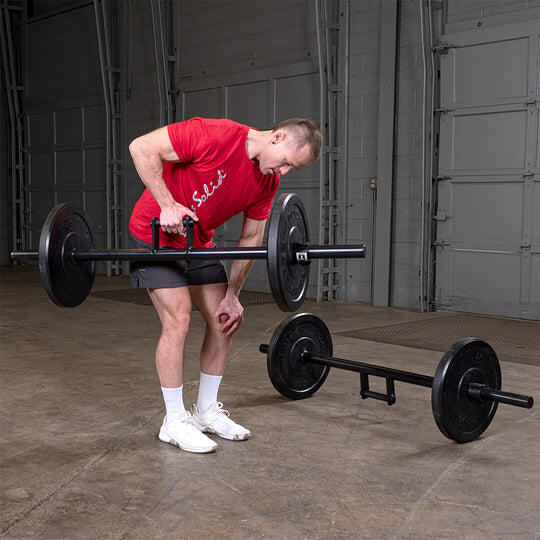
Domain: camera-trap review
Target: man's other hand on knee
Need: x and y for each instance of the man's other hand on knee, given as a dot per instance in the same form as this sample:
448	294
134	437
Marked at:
230	315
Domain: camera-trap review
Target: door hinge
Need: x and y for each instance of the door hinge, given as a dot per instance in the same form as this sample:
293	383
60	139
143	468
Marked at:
441	215
442	48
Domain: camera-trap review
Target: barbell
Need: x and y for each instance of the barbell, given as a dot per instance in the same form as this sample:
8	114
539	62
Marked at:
67	253
465	390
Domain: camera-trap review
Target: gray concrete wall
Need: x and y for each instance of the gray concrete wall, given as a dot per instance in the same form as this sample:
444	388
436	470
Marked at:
406	230
5	176
363	133
363	141
218	38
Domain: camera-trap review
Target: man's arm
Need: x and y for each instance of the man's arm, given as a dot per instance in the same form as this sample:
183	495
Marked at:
148	153
252	236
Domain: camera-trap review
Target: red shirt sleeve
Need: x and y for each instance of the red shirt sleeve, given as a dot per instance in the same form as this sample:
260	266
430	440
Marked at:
260	209
191	140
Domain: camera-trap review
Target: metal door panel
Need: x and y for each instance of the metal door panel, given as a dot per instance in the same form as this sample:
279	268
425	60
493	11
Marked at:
95	202
535	236
205	103
484	274
461	45
297	97
535	278
95	125
537	149
69	195
489	140
69	167
476	212
478	70
68	129
43	165
94	167
40	130
41	203
249	104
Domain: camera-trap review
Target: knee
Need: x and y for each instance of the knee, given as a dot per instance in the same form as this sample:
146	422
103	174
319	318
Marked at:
214	329
176	326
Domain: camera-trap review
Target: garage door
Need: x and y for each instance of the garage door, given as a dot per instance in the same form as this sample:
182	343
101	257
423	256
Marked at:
488	214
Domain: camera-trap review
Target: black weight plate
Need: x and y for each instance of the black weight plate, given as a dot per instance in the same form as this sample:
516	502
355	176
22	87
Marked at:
458	416
68	282
291	376
288	228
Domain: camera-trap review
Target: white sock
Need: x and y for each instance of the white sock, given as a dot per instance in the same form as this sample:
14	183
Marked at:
174	402
208	391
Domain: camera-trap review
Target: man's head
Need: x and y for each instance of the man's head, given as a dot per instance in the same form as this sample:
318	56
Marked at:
291	144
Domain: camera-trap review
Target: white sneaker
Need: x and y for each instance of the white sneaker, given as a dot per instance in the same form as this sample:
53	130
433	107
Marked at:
216	420
179	430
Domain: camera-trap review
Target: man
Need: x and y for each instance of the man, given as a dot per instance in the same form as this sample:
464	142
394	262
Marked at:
210	170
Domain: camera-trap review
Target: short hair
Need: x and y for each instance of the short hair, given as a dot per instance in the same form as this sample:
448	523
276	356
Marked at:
303	132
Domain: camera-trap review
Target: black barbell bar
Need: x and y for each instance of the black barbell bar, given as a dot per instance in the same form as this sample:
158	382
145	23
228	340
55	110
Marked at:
233	253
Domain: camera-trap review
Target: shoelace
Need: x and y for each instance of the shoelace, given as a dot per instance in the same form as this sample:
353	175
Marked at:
216	415
184	418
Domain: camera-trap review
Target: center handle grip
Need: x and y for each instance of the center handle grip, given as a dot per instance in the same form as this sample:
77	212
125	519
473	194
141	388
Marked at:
188	223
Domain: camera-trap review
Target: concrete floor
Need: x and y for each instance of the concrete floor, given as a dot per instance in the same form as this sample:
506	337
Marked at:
81	407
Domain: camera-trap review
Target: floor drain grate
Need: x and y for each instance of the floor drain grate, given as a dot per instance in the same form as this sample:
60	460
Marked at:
513	340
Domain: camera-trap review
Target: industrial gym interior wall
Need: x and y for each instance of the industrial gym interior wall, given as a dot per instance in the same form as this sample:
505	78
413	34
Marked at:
5	195
231	47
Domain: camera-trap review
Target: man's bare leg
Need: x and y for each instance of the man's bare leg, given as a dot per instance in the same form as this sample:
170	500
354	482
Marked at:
208	415
216	346
173	307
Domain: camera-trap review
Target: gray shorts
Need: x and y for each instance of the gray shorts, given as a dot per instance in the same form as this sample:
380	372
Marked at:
171	274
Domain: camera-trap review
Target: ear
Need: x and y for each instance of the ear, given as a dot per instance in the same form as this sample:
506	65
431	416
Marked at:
279	136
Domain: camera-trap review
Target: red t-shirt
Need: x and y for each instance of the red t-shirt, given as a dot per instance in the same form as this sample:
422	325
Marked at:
214	177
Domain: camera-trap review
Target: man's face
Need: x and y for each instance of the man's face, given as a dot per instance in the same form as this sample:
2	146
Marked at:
280	155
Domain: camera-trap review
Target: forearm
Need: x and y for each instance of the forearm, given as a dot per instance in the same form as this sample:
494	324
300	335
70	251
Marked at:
149	166
240	268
